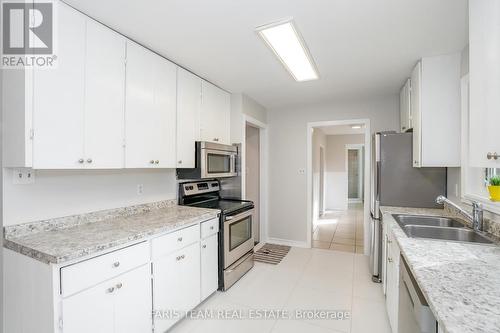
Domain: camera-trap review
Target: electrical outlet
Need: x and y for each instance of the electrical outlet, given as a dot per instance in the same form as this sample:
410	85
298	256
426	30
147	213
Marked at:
140	189
23	176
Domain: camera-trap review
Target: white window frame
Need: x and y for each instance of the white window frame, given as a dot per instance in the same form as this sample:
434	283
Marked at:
467	197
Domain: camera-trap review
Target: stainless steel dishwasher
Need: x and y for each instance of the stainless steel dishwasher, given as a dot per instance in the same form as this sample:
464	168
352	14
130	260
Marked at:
414	316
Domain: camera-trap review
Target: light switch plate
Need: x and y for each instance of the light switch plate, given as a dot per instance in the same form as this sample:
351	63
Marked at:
23	176
140	189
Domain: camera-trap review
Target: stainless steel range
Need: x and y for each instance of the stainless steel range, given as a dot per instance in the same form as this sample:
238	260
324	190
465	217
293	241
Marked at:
235	238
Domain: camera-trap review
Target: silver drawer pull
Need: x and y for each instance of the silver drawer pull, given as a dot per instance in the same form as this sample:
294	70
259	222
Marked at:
111	290
180	257
119	285
389	259
492	156
89	160
81	160
212	228
179	239
204	246
156	162
116	264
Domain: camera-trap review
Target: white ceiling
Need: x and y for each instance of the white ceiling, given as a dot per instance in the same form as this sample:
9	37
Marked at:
361	47
341	130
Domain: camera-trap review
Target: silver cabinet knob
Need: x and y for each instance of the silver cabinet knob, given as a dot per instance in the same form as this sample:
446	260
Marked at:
212	227
179	258
156	162
119	285
111	289
492	156
216	139
116	264
389	259
81	160
179	239
204	246
89	160
152	162
180	162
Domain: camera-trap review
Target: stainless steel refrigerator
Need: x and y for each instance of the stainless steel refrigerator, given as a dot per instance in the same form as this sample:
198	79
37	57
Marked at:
395	182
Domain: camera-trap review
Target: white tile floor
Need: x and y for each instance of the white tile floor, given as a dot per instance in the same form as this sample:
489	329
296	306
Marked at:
307	279
340	230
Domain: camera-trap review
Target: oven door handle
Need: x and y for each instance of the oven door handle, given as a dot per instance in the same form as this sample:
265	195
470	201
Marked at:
239	216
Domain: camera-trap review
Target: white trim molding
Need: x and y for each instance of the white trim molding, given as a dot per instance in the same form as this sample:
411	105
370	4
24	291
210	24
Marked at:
292	243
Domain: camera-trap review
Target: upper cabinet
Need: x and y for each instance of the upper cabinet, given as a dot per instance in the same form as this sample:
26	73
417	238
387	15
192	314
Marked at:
484	75
59	99
405	107
188	117
435	111
215	113
108	103
150	109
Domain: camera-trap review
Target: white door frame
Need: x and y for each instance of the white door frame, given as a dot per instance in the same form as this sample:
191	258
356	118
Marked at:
263	200
359	147
367	175
322	174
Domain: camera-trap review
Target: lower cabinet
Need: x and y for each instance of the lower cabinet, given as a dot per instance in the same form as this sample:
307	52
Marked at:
121	305
176	285
209	266
392	279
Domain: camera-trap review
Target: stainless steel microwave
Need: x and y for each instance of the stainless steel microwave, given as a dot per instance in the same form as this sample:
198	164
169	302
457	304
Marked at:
213	160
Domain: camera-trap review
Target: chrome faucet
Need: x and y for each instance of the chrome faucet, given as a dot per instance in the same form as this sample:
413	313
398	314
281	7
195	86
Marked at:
476	218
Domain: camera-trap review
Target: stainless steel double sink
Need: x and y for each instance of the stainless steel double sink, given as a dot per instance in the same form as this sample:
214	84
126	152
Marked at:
437	227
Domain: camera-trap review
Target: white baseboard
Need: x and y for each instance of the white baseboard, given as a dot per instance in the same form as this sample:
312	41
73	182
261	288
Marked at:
288	242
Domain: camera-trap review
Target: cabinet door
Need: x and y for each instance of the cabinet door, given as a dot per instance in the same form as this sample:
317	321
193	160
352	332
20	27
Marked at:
405	107
215	114
104	97
133	303
58	98
188	117
150	109
91	310
209	266
484	48
415	98
176	284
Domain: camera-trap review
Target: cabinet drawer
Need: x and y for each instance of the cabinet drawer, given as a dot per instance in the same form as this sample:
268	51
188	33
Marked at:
93	271
209	228
174	241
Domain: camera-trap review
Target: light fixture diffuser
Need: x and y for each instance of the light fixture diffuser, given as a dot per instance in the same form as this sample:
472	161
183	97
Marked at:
285	41
356	126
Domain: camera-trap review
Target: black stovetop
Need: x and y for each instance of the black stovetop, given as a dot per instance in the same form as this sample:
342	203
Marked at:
227	206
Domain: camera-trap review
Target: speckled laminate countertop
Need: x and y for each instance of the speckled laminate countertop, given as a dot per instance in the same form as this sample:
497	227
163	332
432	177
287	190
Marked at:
461	281
68	238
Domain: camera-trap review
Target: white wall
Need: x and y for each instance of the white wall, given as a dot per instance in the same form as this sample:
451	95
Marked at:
62	193
336	172
242	105
318	141
288	155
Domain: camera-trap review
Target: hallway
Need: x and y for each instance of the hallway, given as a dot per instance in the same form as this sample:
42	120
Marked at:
340	230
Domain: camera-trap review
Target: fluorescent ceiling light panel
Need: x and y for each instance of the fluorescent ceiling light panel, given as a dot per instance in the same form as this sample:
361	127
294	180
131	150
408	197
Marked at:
356	126
285	41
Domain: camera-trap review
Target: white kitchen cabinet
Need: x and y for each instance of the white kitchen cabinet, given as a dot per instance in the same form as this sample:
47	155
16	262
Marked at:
150	116
176	284
215	114
78	107
58	98
104	97
484	62
392	280
405	107
435	109
121	305
188	117
209	266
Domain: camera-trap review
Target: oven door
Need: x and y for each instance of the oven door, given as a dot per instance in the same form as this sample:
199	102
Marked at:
238	237
218	163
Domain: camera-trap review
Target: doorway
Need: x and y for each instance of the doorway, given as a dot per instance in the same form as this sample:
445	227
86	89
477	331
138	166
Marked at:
354	160
338	185
252	175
